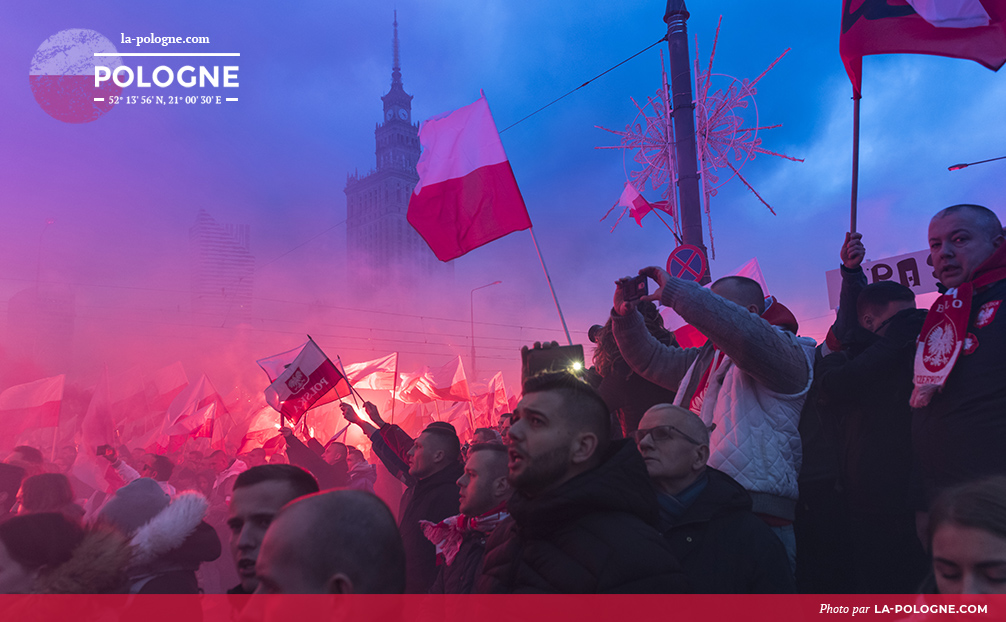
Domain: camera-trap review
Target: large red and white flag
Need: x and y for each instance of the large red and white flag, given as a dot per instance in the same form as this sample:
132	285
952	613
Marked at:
488	406
467	195
378	374
262	429
127	397
447	383
969	29
27	406
195	410
308	378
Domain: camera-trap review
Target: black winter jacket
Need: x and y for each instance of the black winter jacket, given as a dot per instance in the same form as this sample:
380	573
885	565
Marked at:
594	534
724	548
866	397
460	576
434	499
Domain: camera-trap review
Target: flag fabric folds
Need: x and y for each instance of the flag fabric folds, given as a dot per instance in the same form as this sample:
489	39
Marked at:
309	377
447	383
636	205
467	195
965	29
378	374
27	406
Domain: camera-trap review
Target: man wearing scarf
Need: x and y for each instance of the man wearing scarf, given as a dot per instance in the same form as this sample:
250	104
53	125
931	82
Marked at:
750	381
461	539
959	425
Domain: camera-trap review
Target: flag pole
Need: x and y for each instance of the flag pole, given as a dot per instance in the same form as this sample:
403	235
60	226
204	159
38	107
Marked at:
352	391
394	390
855	160
552	289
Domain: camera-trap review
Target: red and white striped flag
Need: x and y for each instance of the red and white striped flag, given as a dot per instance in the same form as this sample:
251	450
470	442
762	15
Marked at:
467	195
308	378
447	383
378	374
28	406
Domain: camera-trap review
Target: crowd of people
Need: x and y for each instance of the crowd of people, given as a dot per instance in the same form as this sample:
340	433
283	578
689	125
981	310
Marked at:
760	462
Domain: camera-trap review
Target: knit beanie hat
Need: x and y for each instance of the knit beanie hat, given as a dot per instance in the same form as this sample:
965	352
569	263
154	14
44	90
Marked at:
134	505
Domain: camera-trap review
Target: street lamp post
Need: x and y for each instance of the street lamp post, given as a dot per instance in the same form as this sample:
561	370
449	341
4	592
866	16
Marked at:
471	307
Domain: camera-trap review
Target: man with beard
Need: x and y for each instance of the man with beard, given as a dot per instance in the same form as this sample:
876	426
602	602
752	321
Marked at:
583	512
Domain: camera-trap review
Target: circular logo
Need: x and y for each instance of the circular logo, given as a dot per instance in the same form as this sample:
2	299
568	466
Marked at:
941	344
62	75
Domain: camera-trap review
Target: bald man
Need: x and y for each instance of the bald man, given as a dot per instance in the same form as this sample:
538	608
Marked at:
704	513
339	542
750	379
958	427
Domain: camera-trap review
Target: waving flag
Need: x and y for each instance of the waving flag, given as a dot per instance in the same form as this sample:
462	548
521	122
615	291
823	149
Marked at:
308	378
966	29
467	195
447	383
636	205
27	406
378	374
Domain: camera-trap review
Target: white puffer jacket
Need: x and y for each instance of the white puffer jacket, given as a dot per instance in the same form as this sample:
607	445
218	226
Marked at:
756	440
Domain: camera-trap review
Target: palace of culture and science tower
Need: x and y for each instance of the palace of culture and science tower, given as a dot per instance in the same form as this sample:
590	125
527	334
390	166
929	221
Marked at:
377	233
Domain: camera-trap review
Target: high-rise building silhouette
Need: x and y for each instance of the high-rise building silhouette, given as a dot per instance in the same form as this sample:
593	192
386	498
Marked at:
381	245
223	270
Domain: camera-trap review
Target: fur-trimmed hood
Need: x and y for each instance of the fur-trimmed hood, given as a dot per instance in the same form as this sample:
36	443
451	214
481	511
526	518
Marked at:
170	529
97	566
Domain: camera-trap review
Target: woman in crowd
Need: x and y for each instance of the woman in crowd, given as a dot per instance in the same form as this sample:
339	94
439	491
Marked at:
48	553
967	529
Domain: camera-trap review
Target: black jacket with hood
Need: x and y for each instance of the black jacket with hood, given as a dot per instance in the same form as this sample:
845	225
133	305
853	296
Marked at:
594	534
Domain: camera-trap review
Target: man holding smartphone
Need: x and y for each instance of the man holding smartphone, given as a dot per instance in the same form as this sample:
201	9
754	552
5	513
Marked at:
750	380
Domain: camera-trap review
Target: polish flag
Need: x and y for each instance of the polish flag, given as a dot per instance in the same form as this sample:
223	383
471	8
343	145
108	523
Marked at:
637	205
458	415
194	410
127	397
490	405
378	374
969	29
304	382
447	383
263	427
165	385
28	406
467	195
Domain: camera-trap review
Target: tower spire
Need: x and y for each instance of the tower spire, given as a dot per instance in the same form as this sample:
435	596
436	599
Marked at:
396	70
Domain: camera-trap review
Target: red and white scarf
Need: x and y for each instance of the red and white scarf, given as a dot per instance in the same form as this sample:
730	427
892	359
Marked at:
448	534
946	328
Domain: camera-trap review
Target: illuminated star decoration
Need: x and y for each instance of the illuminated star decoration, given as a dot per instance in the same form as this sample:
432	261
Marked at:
722	140
651	136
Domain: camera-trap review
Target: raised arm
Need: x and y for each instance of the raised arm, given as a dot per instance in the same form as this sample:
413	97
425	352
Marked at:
771	356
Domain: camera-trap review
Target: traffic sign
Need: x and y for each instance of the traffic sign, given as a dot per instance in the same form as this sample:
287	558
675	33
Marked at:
687	262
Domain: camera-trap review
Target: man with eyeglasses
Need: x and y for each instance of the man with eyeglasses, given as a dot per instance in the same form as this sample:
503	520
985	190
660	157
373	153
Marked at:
751	379
704	513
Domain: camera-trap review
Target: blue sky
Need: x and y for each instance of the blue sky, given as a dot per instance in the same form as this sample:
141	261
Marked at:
124	189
